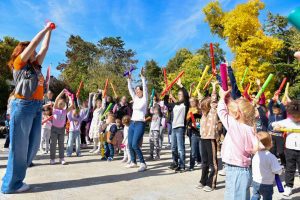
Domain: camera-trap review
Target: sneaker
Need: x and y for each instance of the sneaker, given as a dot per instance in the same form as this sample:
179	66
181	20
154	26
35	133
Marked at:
207	189
96	152
131	165
109	159
63	162
173	166
78	155
179	170
199	186
52	162
24	188
142	167
124	160
92	151
222	172
287	191
191	169
128	162
45	152
103	158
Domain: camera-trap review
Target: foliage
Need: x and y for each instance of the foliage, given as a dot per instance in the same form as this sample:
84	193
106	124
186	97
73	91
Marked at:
154	76
175	63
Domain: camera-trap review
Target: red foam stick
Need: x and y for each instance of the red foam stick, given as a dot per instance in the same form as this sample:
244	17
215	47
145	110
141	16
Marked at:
165	77
52	26
281	86
193	119
212	57
48	119
171	84
79	88
208	82
246	94
105	88
223	73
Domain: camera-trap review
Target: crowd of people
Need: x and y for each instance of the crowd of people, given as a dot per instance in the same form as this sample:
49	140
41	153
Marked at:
241	128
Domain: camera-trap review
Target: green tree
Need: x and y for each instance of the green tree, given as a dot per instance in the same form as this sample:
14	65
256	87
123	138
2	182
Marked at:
175	63
154	75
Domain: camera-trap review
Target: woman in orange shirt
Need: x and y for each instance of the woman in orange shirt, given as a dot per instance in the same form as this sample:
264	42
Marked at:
26	113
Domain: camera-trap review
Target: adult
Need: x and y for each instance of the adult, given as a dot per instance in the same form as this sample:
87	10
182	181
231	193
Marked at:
179	110
122	108
137	124
26	113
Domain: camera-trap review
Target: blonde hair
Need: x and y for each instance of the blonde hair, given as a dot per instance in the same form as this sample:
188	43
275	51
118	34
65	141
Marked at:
244	109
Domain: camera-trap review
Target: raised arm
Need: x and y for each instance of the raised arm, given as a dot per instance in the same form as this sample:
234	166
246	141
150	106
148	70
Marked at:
271	103
57	98
131	92
145	89
222	110
214	99
29	50
44	48
71	107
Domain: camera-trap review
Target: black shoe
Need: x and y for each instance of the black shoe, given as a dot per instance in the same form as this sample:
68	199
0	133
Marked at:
150	158
191	169
31	164
179	170
173	166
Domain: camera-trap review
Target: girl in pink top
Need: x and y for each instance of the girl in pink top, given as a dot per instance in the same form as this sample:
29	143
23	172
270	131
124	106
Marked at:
238	117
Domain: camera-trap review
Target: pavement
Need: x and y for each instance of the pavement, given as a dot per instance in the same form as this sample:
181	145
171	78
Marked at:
87	177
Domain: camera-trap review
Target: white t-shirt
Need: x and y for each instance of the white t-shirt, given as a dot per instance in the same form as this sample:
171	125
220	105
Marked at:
264	167
292	139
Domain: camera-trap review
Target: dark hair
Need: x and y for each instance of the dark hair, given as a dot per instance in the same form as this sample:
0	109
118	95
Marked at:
276	106
140	87
293	108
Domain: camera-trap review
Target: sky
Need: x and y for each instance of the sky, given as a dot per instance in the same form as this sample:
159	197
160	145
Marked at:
155	29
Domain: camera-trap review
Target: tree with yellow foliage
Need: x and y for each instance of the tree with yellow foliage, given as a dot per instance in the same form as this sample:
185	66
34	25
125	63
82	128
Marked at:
244	34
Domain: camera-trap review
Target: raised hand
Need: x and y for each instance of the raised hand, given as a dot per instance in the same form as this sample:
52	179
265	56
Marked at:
223	93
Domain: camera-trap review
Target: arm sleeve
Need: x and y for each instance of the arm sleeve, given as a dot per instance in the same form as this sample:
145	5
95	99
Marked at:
275	166
214	102
283	110
131	92
223	114
19	63
170	106
69	115
186	96
270	107
145	89
113	130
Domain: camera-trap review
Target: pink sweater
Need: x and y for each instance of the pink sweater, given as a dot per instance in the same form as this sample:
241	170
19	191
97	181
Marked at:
239	140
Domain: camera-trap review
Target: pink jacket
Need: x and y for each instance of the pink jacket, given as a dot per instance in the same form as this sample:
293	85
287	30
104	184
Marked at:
239	140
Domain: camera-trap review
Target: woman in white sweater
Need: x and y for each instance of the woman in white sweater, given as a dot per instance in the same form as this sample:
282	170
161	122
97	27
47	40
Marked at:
137	124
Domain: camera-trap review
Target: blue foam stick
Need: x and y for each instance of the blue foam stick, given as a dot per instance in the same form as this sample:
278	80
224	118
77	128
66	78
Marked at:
129	72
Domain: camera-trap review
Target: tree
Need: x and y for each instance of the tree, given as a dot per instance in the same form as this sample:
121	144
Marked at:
154	75
175	63
243	32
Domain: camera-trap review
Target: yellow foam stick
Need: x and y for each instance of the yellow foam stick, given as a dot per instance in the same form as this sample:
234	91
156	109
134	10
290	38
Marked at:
201	79
286	92
290	130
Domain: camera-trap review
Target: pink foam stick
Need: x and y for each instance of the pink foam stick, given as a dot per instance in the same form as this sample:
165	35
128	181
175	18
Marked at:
68	92
223	72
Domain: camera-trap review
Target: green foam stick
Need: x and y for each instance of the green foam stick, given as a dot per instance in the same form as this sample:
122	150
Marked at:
244	76
265	85
152	97
106	111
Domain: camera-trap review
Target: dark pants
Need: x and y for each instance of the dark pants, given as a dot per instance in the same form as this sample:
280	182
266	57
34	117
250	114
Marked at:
292	158
6	144
278	148
195	154
135	135
209	162
109	150
266	191
82	132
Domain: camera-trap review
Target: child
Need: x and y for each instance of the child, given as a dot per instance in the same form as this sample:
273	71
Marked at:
46	130
239	121
119	136
110	132
155	133
58	127
96	123
126	122
277	112
208	131
292	143
264	167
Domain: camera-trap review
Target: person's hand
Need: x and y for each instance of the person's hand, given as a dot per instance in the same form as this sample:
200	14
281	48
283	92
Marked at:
277	127
192	85
214	84
276	97
179	82
49	26
142	74
129	76
223	93
258	82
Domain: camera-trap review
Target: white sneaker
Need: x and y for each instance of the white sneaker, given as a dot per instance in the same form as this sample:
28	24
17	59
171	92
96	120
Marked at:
52	162
131	165
143	167
287	191
63	162
96	152
24	188
222	172
128	162
92	151
124	160
208	189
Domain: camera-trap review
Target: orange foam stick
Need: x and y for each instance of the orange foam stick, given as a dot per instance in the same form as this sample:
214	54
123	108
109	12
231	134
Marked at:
171	84
281	86
48	119
105	88
79	88
113	88
165	77
212	57
193	119
208	82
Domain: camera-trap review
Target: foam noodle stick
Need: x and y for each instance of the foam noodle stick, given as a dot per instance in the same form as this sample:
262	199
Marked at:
105	88
245	93
290	130
286	92
281	86
165	77
106	111
244	76
208	82
48	119
279	183
126	73
151	98
201	79
79	89
113	88
294	18
223	73
171	84
212	57
265	85
193	119
68	92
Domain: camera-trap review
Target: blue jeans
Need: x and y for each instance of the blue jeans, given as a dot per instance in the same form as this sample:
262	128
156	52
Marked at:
73	135
109	150
266	191
25	137
177	146
237	183
195	149
135	136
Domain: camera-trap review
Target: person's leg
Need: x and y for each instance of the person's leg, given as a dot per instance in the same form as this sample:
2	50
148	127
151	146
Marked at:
198	155
43	139
205	167
53	142
130	140
242	191
193	151
7	140
151	143
174	146
280	149
106	150
95	143
266	191
255	191
157	145
77	142
291	160
169	126
181	147
111	150
47	138
61	142
212	163
82	132
161	136
70	143
137	137
22	119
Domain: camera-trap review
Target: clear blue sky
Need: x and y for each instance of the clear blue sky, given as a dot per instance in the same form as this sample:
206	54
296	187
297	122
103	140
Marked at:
155	29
